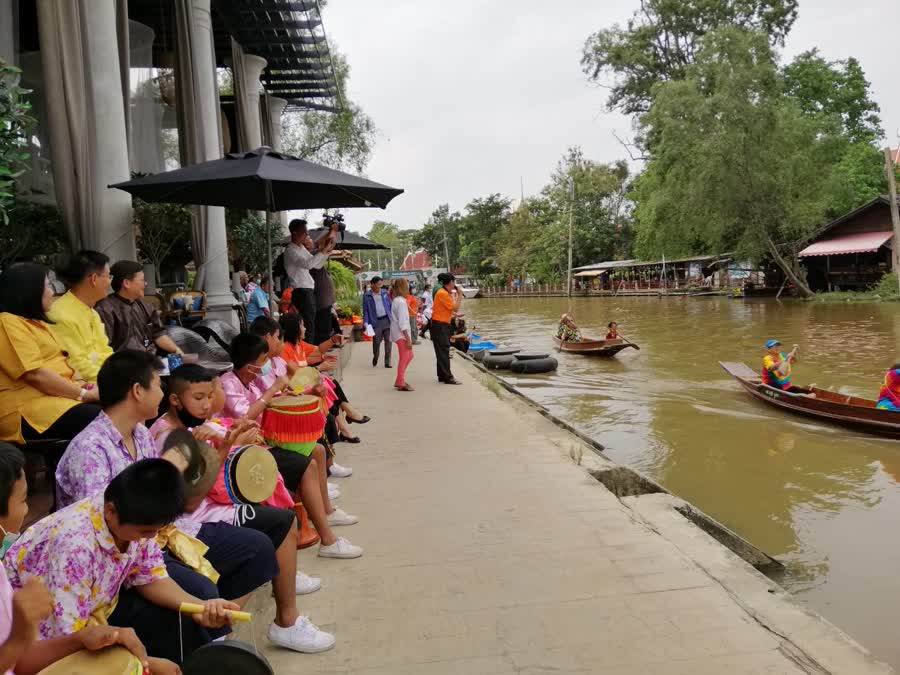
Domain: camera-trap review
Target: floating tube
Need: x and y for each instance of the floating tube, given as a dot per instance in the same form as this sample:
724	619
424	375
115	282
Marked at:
532	365
498	362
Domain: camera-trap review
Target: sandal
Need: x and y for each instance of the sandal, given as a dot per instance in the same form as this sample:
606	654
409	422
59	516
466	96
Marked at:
365	419
348	439
405	387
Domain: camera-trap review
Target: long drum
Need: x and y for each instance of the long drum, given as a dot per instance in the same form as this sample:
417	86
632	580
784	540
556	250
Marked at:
294	422
251	474
110	661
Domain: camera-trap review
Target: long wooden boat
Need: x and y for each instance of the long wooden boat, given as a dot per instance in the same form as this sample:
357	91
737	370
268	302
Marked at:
592	347
848	411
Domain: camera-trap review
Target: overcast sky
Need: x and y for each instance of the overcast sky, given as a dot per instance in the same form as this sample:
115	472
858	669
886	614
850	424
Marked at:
470	97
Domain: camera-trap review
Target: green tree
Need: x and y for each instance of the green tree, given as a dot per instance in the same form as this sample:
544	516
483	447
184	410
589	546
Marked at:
399	243
442	224
477	232
341	140
834	89
662	39
737	165
247	240
161	229
15	123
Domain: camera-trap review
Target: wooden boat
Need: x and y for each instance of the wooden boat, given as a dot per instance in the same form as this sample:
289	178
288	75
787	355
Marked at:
592	347
848	411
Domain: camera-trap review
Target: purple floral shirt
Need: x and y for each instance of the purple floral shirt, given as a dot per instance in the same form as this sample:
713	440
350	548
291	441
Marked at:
96	456
75	555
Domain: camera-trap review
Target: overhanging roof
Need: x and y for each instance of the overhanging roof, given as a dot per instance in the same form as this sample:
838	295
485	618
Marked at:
858	242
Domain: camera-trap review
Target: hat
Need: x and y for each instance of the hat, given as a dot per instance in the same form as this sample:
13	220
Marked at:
772	343
202	462
375	279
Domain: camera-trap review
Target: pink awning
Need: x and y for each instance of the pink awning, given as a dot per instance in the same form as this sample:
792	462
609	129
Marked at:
860	242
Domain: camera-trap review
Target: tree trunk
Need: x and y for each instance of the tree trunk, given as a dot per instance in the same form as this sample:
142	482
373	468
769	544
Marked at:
789	270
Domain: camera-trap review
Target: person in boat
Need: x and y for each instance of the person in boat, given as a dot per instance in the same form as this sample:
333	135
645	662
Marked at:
612	332
776	370
889	395
568	331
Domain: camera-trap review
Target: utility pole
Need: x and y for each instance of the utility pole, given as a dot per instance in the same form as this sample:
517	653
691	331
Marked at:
446	250
392	258
895	214
571	226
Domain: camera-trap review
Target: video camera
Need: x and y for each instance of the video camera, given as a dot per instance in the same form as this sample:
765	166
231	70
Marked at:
330	221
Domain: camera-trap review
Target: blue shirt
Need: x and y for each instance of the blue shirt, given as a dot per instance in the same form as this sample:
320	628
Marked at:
259	301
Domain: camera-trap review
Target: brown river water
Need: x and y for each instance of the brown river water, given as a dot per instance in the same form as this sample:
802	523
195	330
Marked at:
823	500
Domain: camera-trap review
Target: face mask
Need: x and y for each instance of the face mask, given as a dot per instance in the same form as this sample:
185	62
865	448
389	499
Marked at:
266	369
187	419
9	538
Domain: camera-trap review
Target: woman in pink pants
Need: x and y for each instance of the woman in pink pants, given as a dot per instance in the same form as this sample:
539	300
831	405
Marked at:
400	331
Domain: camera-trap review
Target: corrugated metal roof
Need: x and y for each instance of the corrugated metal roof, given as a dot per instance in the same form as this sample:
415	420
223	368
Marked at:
858	242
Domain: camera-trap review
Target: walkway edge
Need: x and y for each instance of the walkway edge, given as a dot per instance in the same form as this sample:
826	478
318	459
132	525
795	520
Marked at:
812	642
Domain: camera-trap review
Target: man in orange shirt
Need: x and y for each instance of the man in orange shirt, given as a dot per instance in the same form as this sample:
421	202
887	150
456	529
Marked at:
413	315
446	305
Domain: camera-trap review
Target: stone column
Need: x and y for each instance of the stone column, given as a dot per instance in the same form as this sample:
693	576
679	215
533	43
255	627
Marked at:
216	283
7	36
253	67
276	109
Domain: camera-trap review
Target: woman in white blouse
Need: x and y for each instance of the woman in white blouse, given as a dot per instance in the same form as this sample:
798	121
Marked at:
400	331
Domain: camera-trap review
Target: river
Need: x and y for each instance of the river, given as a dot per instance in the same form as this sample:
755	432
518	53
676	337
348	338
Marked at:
823	500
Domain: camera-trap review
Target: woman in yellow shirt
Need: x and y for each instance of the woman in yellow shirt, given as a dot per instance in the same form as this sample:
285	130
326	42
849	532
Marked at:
39	395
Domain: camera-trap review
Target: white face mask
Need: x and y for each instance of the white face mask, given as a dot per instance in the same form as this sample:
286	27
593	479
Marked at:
9	538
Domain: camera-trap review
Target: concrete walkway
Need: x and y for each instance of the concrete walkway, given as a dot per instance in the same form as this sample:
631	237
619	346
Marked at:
488	550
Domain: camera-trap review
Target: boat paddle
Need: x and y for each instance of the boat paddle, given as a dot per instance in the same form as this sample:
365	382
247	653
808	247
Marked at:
622	337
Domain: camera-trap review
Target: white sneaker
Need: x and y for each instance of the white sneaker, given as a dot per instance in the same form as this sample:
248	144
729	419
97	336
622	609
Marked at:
333	491
306	584
338	471
341	548
340	517
303	636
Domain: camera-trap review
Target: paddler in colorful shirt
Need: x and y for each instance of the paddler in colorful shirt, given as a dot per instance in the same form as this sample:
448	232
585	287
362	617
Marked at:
568	331
776	370
889	395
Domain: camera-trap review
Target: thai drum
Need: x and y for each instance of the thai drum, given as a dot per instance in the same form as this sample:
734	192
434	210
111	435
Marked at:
110	661
305	377
294	422
251	474
231	657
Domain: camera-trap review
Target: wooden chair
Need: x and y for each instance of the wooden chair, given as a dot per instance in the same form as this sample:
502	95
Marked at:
190	304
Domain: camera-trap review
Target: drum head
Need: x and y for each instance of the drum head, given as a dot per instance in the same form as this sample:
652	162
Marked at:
305	377
110	661
254	473
226	658
294	401
504	351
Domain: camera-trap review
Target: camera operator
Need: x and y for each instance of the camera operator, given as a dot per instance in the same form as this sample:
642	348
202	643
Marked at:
298	261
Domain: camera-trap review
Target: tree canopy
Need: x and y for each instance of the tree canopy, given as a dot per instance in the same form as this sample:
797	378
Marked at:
662	39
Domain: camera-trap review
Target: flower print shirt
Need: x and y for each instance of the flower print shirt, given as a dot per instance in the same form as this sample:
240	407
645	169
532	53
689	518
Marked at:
74	554
96	456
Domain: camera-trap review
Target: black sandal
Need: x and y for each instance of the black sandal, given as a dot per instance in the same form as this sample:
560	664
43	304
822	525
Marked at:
365	419
347	439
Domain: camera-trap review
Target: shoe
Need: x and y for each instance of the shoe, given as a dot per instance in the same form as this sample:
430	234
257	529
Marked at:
350	439
304	636
452	382
387	365
405	387
365	419
334	492
340	517
306	584
374	361
341	548
338	471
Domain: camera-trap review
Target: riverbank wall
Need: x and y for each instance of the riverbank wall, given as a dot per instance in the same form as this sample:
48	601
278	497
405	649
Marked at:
498	540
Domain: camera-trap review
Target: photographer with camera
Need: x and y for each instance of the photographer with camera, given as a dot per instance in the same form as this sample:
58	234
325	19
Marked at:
299	259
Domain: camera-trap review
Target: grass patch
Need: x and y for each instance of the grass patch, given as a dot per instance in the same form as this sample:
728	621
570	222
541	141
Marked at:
886	290
492	385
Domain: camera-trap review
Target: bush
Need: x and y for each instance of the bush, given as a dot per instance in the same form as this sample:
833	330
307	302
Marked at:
33	232
247	238
887	286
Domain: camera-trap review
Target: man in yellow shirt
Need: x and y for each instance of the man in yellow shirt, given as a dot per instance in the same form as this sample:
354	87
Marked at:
76	325
446	305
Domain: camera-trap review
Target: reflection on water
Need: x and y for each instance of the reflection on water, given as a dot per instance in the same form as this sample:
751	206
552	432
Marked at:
820	498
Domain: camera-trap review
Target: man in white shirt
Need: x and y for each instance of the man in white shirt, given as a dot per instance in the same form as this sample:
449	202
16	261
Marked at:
298	261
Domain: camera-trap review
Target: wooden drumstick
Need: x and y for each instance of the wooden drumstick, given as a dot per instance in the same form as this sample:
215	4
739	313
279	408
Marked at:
191	608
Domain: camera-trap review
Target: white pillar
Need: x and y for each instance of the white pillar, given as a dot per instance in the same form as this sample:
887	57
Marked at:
7	36
253	67
276	109
216	282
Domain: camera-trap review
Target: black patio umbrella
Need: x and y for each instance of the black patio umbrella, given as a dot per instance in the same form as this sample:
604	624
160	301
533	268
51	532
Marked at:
261	180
